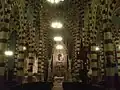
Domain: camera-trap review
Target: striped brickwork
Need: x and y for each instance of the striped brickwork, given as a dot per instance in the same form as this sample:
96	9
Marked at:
92	19
5	12
46	53
102	58
38	37
40	53
77	66
107	9
77	55
43	57
21	44
118	51
115	40
31	52
15	26
27	32
72	26
75	71
86	31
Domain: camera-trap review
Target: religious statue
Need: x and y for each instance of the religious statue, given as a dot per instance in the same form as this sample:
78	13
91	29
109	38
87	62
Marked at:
60	57
60	65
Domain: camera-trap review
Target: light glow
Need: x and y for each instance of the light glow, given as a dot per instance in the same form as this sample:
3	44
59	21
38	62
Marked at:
58	38
54	1
59	47
24	48
56	25
97	48
8	53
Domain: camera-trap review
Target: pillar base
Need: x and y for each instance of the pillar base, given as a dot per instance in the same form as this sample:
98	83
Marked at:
117	82
2	83
30	79
19	79
110	82
94	79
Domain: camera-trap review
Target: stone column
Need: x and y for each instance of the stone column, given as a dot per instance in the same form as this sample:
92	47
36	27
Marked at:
75	68
5	12
118	54
31	52
26	39
107	9
102	57
40	53
93	30
15	26
21	44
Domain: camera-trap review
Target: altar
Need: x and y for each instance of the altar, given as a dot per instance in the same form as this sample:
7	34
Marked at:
60	62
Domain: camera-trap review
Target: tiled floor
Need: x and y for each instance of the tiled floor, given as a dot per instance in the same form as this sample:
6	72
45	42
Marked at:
58	84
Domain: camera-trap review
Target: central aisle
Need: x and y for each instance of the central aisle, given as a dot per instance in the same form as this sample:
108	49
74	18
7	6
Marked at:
57	84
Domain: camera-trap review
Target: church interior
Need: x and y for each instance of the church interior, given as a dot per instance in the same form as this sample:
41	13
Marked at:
60	44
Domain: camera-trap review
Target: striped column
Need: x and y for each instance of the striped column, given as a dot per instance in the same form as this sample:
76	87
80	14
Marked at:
4	30
27	41
77	52
10	6
40	59
21	44
118	53
102	58
36	7
76	59
44	56
94	59
27	35
108	7
16	60
90	27
46	53
94	62
40	50
15	19
87	23
38	47
86	34
31	52
43	59
116	37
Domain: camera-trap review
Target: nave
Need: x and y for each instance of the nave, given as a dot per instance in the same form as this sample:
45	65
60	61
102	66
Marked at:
60	44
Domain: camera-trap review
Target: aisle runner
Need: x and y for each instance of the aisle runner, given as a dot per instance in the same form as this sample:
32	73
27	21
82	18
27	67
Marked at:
57	85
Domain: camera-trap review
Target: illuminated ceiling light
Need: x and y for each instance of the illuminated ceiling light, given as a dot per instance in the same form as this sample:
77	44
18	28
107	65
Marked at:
8	53
24	48
97	48
54	1
56	25
59	47
57	1
58	38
